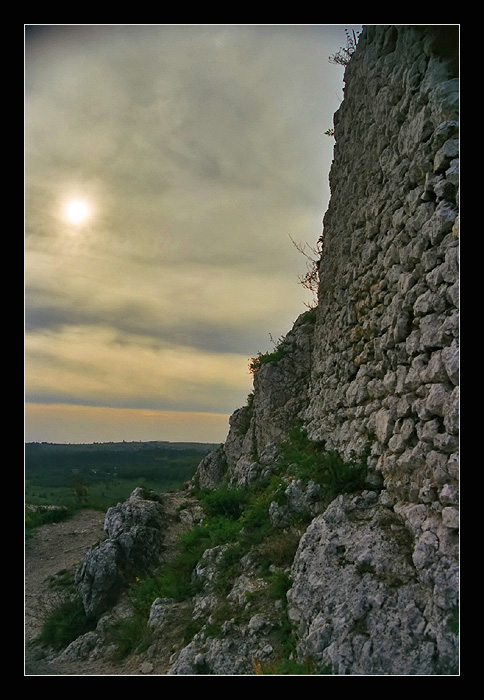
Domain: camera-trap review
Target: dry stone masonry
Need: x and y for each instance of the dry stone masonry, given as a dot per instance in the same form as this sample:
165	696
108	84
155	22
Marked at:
386	347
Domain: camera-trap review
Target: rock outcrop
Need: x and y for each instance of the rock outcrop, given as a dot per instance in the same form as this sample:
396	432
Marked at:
133	546
359	600
281	395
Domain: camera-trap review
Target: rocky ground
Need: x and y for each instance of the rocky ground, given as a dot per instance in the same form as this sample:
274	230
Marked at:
60	547
55	547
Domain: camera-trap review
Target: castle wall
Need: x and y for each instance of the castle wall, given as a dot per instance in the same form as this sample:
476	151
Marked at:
385	359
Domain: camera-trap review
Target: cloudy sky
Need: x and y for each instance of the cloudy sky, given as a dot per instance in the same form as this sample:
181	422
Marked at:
167	168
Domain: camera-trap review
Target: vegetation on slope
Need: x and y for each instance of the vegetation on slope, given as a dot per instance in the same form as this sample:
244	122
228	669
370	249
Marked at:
239	519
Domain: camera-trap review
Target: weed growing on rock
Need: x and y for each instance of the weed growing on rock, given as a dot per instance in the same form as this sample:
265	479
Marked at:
132	634
310	461
65	623
255	363
343	56
310	280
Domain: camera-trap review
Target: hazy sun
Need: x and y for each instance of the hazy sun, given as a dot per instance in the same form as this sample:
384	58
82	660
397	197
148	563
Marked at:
77	211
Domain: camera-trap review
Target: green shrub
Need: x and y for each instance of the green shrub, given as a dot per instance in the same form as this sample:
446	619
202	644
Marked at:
310	461
347	477
255	518
65	623
279	549
225	501
143	592
131	634
255	363
279	584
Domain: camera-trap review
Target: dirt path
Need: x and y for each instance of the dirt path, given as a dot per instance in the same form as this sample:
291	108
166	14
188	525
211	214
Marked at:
62	547
54	547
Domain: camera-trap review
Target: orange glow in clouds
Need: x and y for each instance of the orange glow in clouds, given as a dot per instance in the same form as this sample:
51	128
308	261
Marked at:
53	422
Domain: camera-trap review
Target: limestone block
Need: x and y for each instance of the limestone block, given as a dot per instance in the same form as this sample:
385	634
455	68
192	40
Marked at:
438	464
438	399
428	430
435	370
450	517
384	423
446	443
451	418
424	553
432	331
447	153
449	495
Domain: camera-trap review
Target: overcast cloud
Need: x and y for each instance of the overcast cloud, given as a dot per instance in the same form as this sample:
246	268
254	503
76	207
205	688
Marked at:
199	151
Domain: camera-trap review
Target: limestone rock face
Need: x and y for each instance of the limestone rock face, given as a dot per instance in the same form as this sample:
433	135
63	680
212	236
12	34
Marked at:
211	469
99	578
281	388
281	394
134	541
359	601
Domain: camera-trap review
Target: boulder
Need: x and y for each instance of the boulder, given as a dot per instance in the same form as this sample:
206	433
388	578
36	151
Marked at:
132	547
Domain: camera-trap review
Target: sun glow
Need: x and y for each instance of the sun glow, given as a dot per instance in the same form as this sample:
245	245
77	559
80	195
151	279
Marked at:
77	211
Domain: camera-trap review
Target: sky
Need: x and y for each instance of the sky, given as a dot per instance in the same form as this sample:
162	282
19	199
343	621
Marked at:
169	169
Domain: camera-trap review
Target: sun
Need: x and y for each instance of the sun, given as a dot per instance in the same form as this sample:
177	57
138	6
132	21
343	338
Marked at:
77	211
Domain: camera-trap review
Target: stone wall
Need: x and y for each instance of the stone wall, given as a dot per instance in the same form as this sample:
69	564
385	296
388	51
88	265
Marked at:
385	360
385	364
380	365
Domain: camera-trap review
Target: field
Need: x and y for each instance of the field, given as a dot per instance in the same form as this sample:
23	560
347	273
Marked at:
100	475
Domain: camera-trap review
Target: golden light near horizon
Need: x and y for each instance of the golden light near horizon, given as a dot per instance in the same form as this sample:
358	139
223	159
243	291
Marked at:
77	211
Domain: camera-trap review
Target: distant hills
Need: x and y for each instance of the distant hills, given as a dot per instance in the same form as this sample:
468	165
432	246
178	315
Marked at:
123	446
108	471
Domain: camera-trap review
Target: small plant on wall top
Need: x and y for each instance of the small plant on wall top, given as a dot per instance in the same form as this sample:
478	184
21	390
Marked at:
256	363
310	280
343	56
262	358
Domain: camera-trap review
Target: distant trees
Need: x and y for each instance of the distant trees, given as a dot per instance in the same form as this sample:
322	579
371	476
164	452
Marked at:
83	471
80	489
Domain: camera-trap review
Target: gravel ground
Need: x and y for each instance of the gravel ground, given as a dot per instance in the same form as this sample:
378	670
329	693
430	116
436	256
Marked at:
54	547
62	546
